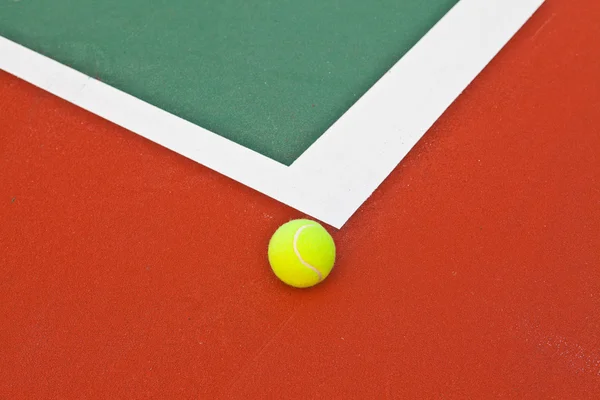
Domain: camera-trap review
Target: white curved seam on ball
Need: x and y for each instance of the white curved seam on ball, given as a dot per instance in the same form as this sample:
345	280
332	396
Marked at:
307	265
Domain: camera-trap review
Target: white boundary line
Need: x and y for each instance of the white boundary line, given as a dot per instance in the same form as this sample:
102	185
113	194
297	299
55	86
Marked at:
331	179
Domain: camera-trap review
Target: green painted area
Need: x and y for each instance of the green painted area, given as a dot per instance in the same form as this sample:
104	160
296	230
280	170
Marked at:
272	75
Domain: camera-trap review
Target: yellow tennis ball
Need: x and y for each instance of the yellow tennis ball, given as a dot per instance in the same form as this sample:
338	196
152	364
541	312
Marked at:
301	253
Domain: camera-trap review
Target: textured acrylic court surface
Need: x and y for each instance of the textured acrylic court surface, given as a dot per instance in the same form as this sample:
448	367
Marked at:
130	272
271	75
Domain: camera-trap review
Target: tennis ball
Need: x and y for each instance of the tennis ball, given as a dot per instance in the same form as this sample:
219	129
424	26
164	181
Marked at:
301	253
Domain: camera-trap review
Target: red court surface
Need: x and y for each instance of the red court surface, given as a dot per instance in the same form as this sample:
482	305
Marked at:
127	271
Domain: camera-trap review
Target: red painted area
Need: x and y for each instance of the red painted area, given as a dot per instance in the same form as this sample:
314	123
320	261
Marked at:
127	271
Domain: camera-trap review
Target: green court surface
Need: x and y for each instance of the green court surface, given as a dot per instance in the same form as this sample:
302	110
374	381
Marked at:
269	75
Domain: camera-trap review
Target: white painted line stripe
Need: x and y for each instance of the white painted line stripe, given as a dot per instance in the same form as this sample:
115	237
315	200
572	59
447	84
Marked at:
341	170
138	116
359	151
